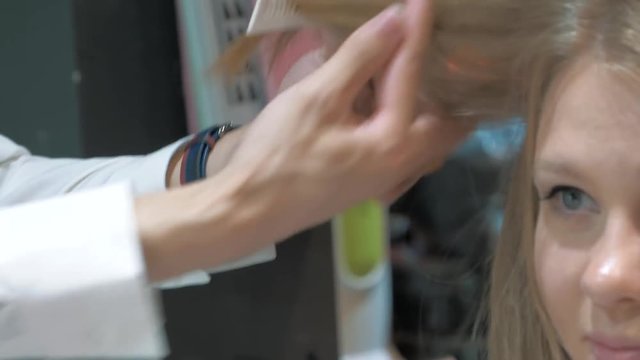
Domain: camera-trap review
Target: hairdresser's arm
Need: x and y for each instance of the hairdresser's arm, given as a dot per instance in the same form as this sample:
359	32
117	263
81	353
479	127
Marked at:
204	224
25	177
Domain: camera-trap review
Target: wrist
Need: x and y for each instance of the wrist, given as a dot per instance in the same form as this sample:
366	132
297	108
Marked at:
221	155
201	226
217	158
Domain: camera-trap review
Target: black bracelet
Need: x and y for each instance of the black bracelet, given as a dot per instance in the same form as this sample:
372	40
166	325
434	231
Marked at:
196	153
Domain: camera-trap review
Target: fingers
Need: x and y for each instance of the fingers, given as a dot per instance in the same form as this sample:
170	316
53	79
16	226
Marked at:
403	78
434	139
363	54
392	196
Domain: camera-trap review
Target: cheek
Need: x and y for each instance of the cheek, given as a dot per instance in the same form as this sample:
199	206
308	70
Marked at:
558	276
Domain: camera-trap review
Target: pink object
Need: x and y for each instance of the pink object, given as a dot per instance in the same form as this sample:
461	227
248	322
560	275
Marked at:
301	56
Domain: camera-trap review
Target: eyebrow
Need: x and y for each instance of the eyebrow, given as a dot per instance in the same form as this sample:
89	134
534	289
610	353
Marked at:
557	167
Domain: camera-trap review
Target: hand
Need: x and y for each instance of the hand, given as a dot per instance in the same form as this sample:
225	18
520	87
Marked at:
311	156
308	156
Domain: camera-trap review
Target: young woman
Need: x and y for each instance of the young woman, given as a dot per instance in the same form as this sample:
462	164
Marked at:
565	282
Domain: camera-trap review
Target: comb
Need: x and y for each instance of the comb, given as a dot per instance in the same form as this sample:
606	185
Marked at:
274	16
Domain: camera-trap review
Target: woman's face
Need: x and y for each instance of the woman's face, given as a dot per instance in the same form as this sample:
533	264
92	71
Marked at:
587	241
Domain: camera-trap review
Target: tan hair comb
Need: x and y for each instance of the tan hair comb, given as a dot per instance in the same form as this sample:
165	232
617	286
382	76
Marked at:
274	16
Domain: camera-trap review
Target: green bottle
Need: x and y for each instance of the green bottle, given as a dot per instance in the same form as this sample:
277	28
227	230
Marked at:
362	231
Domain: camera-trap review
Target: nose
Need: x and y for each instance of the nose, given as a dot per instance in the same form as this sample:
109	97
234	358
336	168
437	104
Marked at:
612	276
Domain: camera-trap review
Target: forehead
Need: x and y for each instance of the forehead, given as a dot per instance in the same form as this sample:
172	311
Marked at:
594	117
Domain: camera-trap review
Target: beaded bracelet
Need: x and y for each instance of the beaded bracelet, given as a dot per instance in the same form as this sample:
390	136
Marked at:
195	153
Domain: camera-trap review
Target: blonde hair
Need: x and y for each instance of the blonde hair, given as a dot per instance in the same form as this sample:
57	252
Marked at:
493	59
468	72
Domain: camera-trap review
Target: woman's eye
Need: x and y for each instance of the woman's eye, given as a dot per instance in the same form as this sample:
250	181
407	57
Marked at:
571	199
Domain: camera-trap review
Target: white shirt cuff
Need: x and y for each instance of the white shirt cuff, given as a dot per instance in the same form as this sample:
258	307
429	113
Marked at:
153	170
72	280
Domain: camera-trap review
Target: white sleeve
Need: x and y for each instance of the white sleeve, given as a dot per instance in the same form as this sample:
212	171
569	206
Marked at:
24	177
72	280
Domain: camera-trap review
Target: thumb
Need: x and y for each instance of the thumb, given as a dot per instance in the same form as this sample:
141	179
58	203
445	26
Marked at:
363	55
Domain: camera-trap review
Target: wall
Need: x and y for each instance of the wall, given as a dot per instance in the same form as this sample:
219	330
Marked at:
38	104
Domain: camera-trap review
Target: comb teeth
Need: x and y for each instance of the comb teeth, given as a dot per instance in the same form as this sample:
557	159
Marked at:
280	8
274	16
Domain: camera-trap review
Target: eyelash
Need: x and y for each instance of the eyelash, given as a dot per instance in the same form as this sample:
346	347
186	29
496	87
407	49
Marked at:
559	189
590	205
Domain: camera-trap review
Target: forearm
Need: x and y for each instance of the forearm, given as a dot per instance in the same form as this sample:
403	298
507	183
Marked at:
204	225
26	178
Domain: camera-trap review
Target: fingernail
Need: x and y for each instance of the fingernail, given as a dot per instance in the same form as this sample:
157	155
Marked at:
389	22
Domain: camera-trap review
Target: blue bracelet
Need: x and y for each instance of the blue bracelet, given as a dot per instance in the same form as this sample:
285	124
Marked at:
196	153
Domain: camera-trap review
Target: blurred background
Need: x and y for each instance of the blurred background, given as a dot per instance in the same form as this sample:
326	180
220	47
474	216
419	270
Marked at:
86	78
